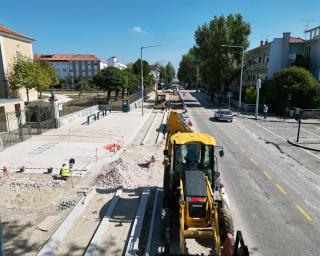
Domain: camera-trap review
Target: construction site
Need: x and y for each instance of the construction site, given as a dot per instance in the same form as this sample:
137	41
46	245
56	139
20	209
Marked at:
127	193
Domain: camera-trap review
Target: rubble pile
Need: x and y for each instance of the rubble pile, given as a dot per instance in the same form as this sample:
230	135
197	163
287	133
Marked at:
66	205
121	173
30	183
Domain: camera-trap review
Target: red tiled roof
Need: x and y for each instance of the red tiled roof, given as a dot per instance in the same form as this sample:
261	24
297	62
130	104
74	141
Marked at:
11	32
66	57
296	40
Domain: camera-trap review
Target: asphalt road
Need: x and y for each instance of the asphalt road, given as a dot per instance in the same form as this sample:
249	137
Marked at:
273	188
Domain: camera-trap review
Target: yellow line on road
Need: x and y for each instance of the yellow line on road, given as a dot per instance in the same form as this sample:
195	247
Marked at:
267	175
242	149
235	142
229	137
225	133
253	161
305	214
281	189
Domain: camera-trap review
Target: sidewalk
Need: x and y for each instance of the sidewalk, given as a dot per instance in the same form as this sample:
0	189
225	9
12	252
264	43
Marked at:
270	117
274	118
85	143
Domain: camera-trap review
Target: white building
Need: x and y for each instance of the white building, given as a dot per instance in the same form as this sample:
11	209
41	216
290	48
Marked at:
113	62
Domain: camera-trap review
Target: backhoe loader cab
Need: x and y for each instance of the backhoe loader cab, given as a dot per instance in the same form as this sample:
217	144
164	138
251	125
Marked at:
192	152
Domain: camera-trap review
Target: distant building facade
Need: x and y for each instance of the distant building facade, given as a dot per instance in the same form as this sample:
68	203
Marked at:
113	62
13	46
270	57
312	50
71	67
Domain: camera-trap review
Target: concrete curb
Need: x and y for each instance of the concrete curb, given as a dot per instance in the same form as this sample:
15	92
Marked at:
133	243
133	136
1	241
103	225
56	238
146	136
300	146
152	223
161	131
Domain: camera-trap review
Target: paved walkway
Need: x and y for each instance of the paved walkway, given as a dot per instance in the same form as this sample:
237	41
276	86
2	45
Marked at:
85	143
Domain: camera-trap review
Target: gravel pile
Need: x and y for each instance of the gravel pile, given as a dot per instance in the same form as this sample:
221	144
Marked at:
122	173
31	183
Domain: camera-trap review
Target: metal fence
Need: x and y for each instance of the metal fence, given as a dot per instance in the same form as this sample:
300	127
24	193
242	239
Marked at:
100	99
21	125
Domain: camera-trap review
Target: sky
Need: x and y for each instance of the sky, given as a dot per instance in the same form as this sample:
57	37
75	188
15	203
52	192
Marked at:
118	28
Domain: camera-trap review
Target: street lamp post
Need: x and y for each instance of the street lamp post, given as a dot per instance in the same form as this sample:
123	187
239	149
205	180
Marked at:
242	60
141	66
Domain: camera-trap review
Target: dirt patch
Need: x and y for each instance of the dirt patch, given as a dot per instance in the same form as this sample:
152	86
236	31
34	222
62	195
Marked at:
24	206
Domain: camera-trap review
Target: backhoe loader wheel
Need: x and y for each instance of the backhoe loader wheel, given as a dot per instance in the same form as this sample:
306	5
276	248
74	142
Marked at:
225	223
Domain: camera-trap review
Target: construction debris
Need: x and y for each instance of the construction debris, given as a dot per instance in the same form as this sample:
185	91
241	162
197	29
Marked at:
29	183
122	174
66	205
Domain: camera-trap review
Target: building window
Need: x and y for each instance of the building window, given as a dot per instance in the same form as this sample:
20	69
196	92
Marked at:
260	59
307	51
19	56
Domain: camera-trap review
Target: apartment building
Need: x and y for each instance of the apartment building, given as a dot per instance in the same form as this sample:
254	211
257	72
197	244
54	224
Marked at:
312	50
13	45
73	66
270	57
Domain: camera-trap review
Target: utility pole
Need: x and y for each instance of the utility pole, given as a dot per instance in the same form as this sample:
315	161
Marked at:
141	66
197	78
298	118
257	99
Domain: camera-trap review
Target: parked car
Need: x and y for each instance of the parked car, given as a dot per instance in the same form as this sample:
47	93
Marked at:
223	115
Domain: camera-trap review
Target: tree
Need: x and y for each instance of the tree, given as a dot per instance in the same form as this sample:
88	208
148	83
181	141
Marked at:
46	76
23	75
136	67
187	72
170	72
82	85
130	81
250	95
109	79
220	65
297	81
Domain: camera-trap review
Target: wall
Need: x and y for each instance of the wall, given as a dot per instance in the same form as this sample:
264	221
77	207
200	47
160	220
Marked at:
11	47
69	118
315	58
275	57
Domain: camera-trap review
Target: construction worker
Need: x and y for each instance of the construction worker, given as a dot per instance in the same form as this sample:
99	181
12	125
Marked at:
65	172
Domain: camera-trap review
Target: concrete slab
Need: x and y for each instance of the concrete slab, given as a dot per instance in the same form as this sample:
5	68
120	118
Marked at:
82	142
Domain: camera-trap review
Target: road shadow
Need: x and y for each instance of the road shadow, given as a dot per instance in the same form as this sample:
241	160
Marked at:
14	246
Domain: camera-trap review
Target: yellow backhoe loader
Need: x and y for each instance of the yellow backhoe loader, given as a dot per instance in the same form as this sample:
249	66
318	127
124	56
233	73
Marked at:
193	192
159	100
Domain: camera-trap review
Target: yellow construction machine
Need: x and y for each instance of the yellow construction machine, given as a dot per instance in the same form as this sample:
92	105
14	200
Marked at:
159	100
193	193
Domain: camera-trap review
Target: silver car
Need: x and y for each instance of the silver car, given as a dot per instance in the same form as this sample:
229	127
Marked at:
223	115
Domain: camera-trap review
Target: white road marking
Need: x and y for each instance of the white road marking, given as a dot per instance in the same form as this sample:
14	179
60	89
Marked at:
308	152
310	133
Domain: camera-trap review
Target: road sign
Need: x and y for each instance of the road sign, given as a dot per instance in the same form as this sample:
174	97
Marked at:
229	94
